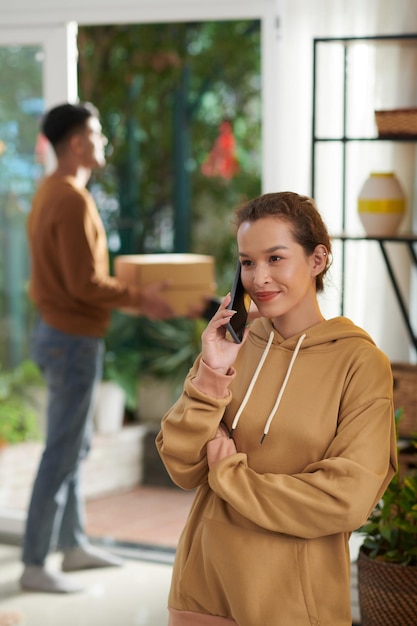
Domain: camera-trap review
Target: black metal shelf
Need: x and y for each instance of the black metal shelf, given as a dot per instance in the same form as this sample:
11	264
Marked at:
398	138
409	240
405	239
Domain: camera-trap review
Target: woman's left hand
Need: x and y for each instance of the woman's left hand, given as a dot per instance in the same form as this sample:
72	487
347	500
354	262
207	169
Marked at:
220	447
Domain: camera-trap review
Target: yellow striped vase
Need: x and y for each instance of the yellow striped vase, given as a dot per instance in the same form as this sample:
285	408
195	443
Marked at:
381	204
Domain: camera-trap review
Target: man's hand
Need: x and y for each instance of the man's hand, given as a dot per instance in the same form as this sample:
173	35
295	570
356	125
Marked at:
153	303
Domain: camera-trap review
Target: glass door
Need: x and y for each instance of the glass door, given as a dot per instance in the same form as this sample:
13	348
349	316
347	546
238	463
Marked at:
29	67
21	106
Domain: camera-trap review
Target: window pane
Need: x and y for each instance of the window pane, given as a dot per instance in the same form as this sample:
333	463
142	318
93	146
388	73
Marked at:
21	105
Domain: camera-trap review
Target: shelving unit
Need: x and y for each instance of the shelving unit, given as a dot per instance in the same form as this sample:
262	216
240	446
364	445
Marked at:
343	139
408	240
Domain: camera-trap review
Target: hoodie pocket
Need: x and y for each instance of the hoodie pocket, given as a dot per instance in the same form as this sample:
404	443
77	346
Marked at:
255	577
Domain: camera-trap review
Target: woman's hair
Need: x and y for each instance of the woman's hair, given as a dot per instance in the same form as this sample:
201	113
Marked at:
307	225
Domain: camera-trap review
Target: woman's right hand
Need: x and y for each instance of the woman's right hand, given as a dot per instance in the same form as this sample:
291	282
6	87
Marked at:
218	351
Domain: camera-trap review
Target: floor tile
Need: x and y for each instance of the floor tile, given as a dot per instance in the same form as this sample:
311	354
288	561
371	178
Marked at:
132	595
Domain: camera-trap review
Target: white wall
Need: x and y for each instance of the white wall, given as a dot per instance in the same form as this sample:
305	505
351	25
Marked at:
370	298
287	107
101	11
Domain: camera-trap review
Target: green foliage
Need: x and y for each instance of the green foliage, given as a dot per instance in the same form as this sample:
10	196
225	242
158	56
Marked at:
18	416
168	349
135	75
122	358
139	76
391	530
137	347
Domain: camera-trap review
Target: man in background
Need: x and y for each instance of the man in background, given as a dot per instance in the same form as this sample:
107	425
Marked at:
74	296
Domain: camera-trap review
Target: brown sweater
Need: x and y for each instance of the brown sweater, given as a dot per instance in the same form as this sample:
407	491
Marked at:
70	283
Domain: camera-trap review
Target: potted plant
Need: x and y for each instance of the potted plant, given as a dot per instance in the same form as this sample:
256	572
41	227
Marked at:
387	563
19	405
167	350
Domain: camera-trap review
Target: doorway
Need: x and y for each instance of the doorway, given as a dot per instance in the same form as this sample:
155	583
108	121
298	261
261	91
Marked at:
30	59
181	106
57	52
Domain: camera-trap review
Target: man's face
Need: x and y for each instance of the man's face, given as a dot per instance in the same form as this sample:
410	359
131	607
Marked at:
91	144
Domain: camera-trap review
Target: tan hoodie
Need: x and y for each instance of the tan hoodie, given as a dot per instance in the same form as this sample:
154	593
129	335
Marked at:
266	541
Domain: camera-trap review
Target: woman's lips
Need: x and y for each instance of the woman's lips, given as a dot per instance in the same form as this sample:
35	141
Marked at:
265	296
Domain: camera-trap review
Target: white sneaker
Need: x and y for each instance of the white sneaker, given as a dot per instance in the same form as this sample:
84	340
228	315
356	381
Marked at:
37	578
88	557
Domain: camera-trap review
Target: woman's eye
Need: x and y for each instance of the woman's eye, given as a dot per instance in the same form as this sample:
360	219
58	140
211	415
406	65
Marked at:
274	259
246	263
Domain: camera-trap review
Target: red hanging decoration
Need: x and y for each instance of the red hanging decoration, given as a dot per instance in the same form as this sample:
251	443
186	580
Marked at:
221	161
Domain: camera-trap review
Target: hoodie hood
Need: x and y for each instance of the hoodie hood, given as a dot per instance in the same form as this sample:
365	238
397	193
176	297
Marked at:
315	337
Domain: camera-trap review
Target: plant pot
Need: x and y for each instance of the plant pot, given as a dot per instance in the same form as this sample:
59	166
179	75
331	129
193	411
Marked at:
110	408
155	397
387	592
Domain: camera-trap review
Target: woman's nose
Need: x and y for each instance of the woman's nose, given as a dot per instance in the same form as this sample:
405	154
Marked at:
261	275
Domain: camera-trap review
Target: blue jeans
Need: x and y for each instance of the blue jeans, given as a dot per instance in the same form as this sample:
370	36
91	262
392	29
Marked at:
72	367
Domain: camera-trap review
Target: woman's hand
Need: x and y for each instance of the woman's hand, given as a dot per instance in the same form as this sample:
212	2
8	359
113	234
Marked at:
220	447
218	351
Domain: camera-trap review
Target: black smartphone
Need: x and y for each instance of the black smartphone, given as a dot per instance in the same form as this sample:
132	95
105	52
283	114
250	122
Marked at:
211	308
240	303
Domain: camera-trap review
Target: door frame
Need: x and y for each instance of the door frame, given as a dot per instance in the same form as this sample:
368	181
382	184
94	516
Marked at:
59	85
59	43
46	17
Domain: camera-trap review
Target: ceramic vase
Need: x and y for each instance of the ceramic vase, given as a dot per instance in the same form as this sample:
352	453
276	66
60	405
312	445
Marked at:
381	204
110	406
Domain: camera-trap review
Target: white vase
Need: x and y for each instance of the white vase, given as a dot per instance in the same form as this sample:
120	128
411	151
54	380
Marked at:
110	406
155	397
381	204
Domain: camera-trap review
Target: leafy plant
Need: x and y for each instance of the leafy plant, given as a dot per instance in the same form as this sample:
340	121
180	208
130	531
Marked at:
162	113
18	415
121	358
137	347
391	529
168	349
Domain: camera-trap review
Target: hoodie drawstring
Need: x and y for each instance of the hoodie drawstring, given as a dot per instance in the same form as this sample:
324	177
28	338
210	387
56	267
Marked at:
254	379
284	384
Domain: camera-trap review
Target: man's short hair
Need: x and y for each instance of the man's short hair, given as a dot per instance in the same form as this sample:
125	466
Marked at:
65	119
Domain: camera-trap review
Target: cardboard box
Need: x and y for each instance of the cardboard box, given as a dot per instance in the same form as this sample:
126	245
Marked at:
191	276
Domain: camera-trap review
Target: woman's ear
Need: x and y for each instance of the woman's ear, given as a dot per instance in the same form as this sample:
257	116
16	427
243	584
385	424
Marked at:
319	258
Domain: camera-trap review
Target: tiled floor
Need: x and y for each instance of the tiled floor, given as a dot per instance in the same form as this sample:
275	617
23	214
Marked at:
143	525
134	595
154	515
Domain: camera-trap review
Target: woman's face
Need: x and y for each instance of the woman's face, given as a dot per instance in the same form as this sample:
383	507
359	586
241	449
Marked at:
277	273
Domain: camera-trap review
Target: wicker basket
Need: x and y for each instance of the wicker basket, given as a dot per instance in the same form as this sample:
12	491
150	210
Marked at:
397	122
387	593
405	397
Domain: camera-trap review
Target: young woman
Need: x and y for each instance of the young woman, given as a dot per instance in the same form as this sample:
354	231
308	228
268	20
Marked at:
288	437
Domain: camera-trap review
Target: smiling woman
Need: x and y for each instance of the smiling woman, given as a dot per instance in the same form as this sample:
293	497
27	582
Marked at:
298	414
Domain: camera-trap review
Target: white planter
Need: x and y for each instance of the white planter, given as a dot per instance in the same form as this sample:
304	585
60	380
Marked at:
155	397
110	408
